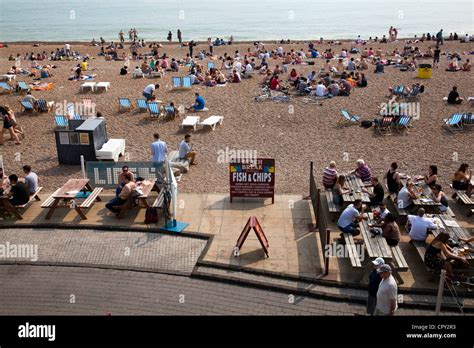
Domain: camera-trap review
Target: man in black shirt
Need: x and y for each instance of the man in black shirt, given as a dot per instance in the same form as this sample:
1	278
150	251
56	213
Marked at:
18	194
378	193
453	97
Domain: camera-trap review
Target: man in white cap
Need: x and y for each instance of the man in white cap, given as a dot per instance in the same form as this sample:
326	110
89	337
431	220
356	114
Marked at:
387	293
374	281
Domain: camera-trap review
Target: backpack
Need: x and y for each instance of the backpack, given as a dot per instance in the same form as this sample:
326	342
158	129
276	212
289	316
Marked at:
151	215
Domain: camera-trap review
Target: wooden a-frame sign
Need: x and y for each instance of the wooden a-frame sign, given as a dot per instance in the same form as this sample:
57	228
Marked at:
253	223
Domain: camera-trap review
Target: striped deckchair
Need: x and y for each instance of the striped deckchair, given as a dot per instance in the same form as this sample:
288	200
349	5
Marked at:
154	109
125	104
403	123
60	121
27	106
186	82
454	122
23	86
42	105
347	118
177	82
142	105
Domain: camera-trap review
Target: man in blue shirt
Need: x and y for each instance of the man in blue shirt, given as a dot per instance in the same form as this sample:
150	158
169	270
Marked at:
199	103
158	150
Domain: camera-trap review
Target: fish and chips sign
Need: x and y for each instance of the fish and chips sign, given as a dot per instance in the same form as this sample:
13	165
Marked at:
253	178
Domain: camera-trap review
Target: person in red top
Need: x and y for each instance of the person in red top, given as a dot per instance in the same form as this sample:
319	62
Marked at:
274	83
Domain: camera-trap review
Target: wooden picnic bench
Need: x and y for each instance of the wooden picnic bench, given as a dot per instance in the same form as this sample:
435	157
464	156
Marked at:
355	184
333	207
68	195
352	251
13	209
465	200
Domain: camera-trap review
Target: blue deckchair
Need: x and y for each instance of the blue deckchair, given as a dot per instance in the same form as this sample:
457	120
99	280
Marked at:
186	82
403	122
347	118
398	90
169	111
210	65
468	119
154	109
60	121
42	105
454	122
27	106
177	82
125	104
141	104
23	87
5	87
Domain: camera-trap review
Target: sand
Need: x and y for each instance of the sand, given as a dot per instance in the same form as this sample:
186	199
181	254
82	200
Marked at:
293	133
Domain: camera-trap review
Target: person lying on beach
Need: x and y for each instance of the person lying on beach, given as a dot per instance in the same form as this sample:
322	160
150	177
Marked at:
466	66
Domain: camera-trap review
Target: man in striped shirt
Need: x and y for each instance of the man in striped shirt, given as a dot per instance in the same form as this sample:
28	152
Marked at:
330	175
363	171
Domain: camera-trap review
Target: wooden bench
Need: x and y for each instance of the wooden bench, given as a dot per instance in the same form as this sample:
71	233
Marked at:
94	195
158	203
48	203
333	208
464	199
14	209
352	250
398	259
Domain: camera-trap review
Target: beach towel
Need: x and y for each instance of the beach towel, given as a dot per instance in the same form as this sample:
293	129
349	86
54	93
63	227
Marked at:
44	86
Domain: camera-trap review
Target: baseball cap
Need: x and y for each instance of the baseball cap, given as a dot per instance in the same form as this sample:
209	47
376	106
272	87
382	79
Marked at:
378	262
384	268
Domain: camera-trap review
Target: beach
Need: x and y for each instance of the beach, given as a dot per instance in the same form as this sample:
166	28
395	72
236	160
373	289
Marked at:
293	133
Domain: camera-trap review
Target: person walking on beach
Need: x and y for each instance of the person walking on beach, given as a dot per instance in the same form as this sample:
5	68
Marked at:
121	38
439	38
436	54
178	34
130	34
211	46
170	36
191	47
158	150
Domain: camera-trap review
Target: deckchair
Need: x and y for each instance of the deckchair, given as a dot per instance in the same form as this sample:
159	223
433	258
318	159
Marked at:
60	121
414	94
384	126
27	106
398	90
154	109
190	121
210	65
23	87
125	104
212	121
347	118
403	122
169	111
42	106
5	87
177	82
454	122
468	119
186	82
142	105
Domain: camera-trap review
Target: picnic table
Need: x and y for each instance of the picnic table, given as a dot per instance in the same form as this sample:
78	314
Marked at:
73	189
12	209
423	193
146	187
451	226
355	185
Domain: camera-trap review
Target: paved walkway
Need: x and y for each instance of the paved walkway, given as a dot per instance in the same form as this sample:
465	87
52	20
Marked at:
42	290
131	250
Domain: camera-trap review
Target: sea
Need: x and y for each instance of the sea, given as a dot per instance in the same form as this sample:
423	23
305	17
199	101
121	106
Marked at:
245	20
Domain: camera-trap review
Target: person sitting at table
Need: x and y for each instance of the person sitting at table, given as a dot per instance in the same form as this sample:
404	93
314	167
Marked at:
18	194
348	221
362	171
376	197
432	176
439	255
383	211
390	229
121	180
418	226
127	189
339	190
31	179
330	175
440	197
406	196
462	179
393	179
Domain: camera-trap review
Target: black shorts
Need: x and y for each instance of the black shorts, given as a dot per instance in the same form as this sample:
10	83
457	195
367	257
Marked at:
436	59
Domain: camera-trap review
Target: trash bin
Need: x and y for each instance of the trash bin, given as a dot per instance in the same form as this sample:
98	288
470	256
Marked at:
424	71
